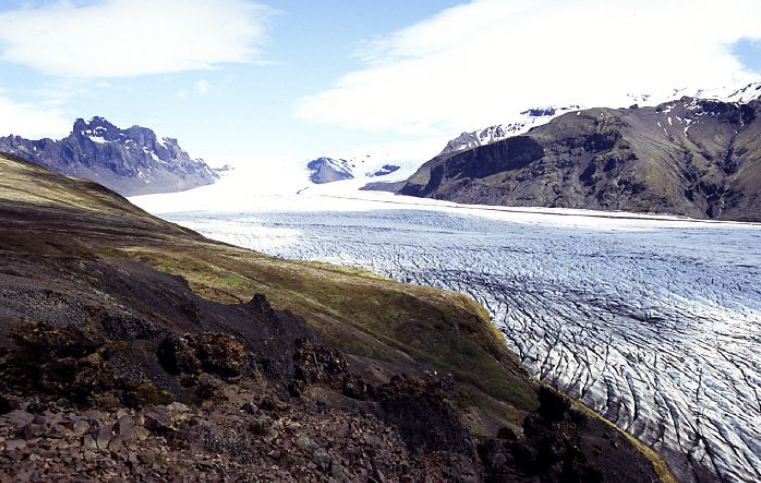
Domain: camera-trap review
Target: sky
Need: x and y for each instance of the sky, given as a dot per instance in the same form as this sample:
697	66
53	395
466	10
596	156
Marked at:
240	79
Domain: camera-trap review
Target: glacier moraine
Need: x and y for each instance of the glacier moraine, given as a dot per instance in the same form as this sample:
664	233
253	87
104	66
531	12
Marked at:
655	324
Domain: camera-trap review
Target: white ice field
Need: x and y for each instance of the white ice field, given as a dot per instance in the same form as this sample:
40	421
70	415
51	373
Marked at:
653	322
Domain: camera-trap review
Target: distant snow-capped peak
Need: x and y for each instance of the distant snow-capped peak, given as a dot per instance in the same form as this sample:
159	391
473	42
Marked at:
394	163
743	95
380	163
518	125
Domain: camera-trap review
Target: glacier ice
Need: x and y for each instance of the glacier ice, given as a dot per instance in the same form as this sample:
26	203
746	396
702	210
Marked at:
655	324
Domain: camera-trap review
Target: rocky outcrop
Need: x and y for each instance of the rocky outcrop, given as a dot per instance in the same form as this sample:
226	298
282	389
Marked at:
384	170
328	170
691	157
191	354
131	161
552	449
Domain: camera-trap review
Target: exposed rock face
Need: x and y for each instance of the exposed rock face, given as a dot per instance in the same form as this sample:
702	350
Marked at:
698	158
550	449
384	170
220	354
525	121
130	161
79	365
327	170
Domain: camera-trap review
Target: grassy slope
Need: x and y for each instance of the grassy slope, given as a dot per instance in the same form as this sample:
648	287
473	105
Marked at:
369	316
364	314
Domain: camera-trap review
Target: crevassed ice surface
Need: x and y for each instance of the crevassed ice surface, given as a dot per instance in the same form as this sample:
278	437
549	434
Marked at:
654	324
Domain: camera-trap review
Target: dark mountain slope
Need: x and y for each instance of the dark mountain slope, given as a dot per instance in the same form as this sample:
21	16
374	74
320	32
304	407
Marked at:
130	161
691	157
291	371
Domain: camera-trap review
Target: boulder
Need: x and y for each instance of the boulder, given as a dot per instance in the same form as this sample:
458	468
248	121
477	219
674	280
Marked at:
220	354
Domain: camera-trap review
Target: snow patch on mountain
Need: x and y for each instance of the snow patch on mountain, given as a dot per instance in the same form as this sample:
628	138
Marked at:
518	125
387	163
130	161
327	170
530	118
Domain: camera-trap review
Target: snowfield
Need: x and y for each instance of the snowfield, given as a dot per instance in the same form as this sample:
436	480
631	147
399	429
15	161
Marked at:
654	322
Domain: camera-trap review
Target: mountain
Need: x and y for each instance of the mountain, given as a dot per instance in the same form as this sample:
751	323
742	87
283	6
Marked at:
525	121
131	161
693	157
537	116
327	170
141	351
376	169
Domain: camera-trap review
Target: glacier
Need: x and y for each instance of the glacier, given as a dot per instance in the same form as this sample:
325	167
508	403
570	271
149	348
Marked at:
653	322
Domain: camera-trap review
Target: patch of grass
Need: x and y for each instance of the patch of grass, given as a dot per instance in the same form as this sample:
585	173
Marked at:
362	313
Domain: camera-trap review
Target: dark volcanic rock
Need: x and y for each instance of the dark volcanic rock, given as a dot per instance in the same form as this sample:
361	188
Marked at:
127	327
552	405
426	423
114	357
393	187
317	363
219	354
131	161
385	170
698	158
561	444
261	305
510	155
5	405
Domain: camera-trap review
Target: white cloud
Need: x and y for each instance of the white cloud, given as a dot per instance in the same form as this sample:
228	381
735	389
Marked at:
32	120
201	88
124	38
475	64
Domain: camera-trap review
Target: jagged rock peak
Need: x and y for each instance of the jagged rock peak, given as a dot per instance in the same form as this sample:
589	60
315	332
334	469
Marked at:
131	161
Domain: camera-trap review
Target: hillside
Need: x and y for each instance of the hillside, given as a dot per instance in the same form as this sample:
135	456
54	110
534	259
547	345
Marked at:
133	348
130	161
691	157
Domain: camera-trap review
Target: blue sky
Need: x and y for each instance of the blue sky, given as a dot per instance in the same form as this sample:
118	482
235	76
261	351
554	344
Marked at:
749	53
237	79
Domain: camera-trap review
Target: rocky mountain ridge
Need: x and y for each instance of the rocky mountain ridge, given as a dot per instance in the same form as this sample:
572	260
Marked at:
537	116
692	157
328	170
525	121
133	161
